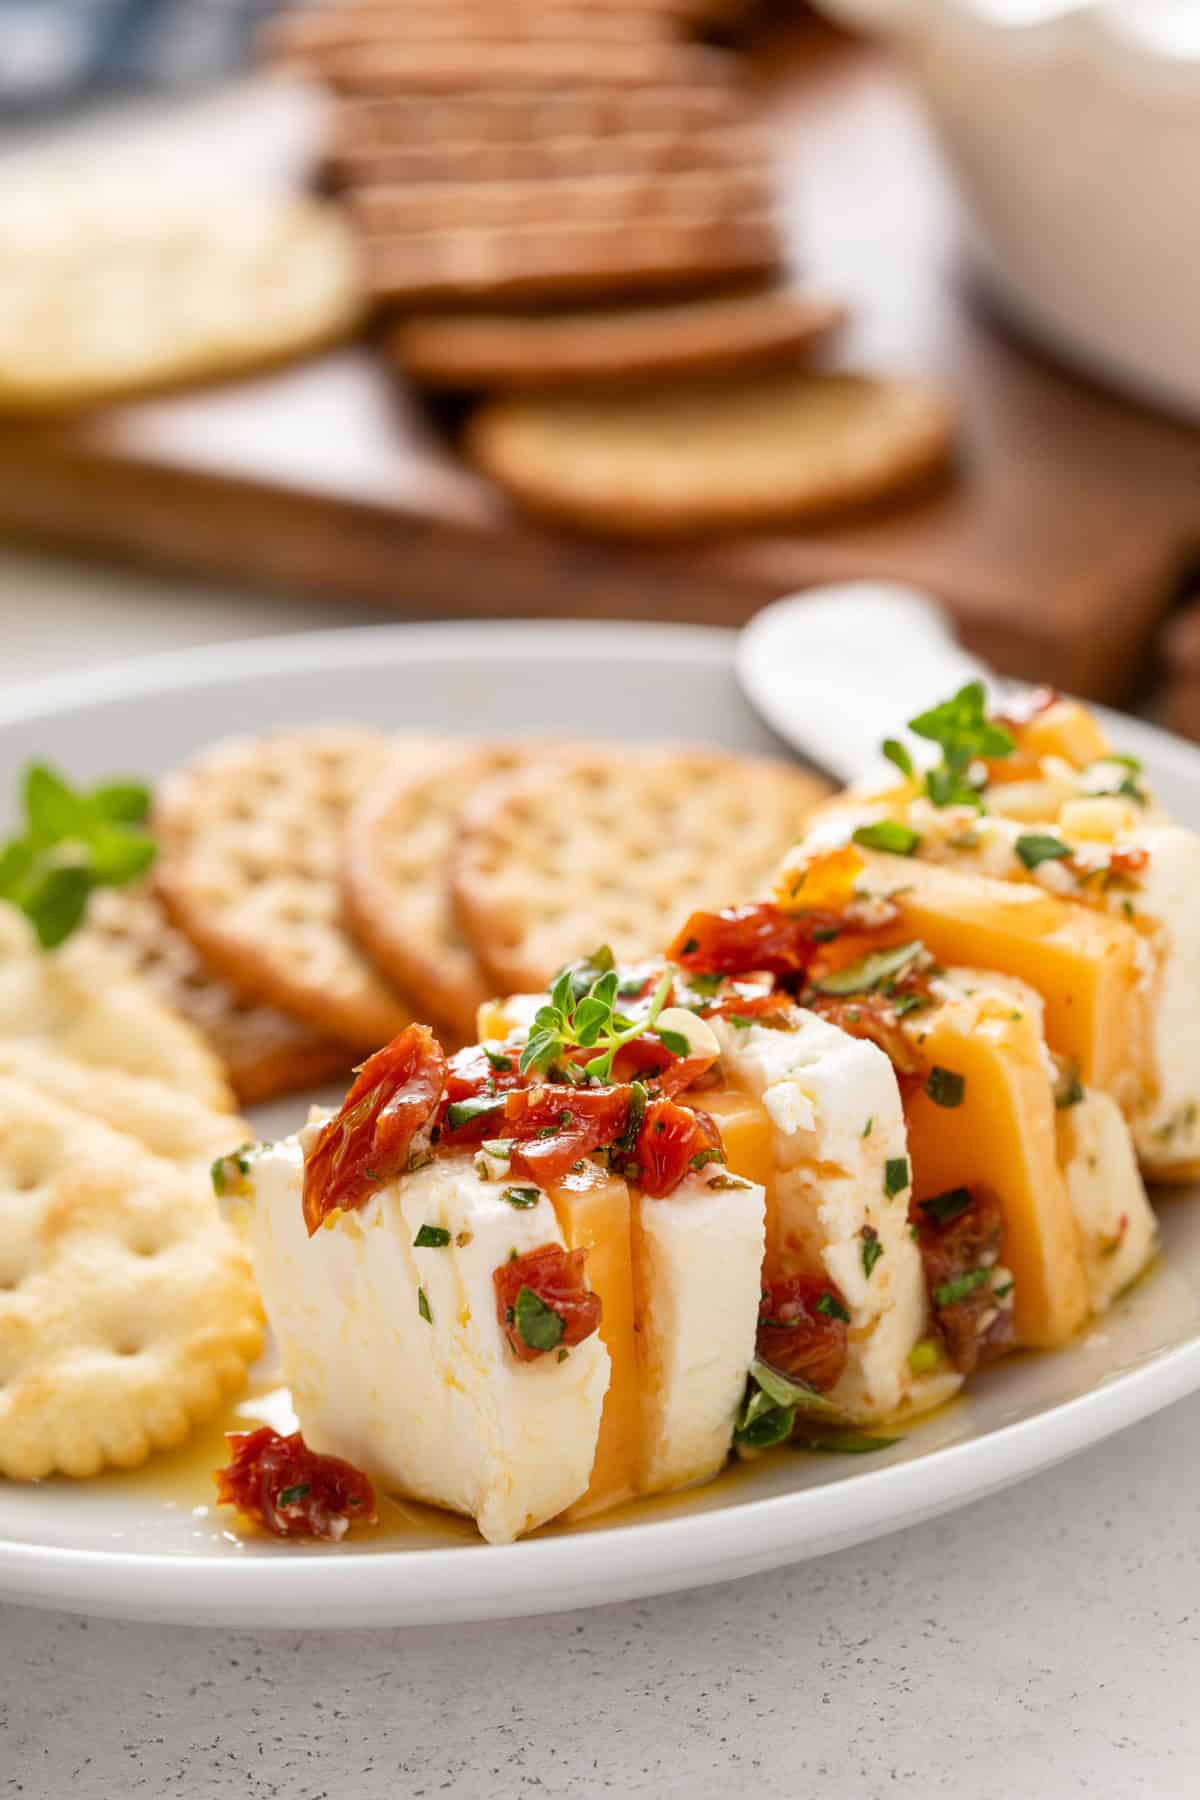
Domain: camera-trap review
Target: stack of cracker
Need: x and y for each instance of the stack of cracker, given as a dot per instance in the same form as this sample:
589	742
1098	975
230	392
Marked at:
572	206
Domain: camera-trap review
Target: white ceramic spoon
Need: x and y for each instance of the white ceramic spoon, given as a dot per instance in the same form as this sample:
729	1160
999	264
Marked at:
836	669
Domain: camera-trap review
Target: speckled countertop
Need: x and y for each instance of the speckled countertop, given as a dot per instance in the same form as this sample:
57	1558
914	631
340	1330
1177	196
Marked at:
1040	1644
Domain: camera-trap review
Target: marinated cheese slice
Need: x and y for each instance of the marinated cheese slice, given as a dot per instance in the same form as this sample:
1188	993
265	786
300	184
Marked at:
986	1118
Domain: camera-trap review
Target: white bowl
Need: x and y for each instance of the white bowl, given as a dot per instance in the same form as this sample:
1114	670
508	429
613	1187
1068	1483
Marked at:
1073	130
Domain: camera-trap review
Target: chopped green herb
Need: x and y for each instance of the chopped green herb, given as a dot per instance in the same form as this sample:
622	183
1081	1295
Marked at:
723	1181
228	1173
702	987
1038	847
1129	790
895	752
1069	1090
866	1130
868	972
771	1404
461	1112
431	1237
843	1443
924	1356
761	1424
522	1197
674	1041
1006	1287
872	1249
702	1158
420	1159
291	1495
563	1353
890	835
941	1208
948	1292
498	1061
423	1306
831	1306
538	1325
945	1088
904	1004
690	948
896	1176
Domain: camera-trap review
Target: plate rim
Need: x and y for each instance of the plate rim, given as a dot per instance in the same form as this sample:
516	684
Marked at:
441	1584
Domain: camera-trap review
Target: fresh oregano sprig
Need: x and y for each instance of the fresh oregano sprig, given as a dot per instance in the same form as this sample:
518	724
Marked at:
965	734
73	840
581	1014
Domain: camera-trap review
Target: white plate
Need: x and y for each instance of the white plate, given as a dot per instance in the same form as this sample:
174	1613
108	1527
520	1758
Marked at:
134	1546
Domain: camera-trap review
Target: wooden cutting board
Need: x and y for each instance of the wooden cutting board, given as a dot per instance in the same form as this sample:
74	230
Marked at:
1058	545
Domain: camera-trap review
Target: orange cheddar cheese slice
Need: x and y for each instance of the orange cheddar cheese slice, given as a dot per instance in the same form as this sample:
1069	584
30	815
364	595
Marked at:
593	1211
999	1131
1084	964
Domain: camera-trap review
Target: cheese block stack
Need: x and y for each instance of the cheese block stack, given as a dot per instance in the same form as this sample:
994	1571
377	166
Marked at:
907	1107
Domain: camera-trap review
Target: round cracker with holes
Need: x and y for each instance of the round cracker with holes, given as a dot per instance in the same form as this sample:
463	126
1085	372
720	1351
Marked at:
267	1053
83	1003
617	847
127	1307
251	842
399	845
171	1124
744	451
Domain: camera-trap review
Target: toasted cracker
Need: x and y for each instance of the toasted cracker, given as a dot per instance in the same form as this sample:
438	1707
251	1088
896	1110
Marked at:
580	155
602	345
490	118
483	264
745	451
251	837
106	292
267	1053
83	1003
399	845
127	1307
393	210
170	1124
617	847
304	39
401	66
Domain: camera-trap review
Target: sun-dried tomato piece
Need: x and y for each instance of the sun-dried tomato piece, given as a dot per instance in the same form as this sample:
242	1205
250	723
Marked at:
1129	862
672	1141
476	1070
474	1076
960	1237
648	1060
802	1330
873	1017
750	1006
543	1301
760	936
367	1143
555	1125
291	1490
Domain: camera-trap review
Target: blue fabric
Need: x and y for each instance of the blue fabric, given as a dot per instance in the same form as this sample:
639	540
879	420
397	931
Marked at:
59	50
